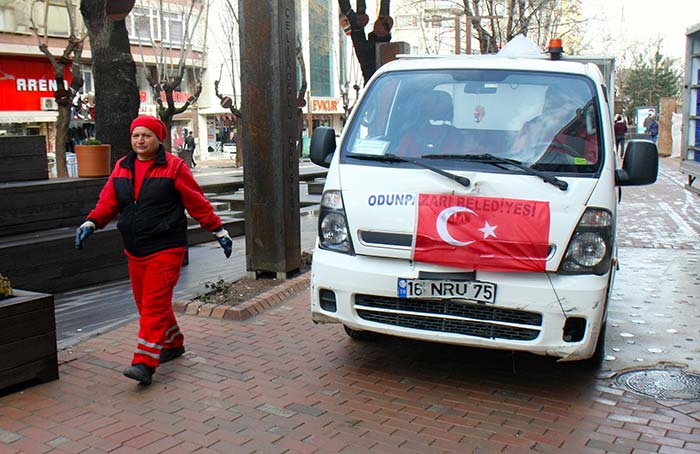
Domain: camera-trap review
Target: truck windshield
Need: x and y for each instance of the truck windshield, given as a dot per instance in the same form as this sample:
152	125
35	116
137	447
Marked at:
546	121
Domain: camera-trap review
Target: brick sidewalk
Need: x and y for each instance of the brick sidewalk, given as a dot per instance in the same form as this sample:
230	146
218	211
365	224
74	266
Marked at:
663	215
276	383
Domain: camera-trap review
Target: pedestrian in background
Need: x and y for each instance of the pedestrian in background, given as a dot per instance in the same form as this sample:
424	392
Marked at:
190	147
620	131
150	190
652	128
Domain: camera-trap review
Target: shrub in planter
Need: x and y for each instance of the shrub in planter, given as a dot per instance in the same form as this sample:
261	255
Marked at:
5	287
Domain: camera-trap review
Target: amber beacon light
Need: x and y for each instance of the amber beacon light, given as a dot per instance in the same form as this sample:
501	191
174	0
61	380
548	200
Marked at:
555	49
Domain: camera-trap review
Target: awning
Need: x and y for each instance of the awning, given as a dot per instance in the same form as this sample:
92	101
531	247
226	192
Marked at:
28	116
214	110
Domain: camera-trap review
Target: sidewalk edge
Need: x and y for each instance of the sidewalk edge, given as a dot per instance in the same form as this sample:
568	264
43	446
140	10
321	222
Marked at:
250	308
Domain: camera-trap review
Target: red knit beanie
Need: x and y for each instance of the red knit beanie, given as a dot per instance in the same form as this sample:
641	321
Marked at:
152	123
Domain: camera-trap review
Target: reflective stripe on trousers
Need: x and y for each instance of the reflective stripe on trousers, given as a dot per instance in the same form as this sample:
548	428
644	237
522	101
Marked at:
153	279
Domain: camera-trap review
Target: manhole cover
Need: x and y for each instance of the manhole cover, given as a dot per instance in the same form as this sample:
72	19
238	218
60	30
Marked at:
662	384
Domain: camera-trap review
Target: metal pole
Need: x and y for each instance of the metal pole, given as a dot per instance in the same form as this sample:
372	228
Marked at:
270	119
309	114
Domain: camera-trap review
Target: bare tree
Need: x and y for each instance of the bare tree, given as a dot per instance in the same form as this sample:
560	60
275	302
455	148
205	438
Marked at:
70	58
114	72
538	19
229	29
366	45
166	77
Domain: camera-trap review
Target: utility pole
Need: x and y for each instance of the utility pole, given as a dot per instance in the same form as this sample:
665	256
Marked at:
309	114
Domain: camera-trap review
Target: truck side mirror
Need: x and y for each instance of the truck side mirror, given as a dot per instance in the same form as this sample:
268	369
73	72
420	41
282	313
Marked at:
322	146
640	166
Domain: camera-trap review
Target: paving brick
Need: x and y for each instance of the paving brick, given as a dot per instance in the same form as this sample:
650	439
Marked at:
180	306
218	311
608	446
8	437
672	450
163	445
30	446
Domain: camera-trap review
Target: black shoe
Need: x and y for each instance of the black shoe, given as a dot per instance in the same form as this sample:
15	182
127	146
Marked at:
169	354
141	373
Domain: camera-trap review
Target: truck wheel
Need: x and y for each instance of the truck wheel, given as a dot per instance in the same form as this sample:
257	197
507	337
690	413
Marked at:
360	335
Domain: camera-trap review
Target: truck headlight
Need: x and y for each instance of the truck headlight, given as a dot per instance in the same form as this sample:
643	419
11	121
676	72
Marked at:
590	247
333	230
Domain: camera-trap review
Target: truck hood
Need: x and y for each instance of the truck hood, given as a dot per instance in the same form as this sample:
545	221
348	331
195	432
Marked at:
381	204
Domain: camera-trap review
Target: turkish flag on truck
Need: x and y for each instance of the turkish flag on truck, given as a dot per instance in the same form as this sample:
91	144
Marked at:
482	233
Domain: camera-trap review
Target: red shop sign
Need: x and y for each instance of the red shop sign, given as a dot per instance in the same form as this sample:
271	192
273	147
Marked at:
24	81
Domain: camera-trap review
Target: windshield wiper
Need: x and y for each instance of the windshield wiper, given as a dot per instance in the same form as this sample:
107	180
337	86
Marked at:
464	181
491	159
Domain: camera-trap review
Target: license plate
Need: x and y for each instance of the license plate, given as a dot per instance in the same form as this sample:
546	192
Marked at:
482	292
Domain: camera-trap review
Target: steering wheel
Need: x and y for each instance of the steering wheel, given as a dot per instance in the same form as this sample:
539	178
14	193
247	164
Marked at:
556	153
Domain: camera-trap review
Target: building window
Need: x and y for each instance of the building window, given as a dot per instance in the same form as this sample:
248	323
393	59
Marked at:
172	28
7	18
146	24
406	21
320	48
88	82
53	20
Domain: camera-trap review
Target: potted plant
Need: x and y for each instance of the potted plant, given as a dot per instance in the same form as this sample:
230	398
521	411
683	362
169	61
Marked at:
93	158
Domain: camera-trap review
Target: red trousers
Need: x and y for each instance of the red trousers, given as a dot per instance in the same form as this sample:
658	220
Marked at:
153	279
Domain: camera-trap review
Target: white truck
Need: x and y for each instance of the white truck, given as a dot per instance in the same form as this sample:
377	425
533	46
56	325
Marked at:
472	200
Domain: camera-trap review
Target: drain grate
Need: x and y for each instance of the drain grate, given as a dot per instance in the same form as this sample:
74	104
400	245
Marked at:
671	384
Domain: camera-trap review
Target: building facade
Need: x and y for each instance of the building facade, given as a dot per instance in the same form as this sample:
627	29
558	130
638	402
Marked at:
158	34
27	83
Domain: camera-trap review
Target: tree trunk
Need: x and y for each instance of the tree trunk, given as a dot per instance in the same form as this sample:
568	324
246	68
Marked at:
62	122
168	141
239	142
116	91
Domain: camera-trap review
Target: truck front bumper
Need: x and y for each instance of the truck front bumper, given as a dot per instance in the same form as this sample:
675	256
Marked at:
542	313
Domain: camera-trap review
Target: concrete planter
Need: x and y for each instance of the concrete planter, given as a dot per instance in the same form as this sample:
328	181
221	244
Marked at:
27	339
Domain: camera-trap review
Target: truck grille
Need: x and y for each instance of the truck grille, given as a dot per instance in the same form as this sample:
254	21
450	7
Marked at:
464	318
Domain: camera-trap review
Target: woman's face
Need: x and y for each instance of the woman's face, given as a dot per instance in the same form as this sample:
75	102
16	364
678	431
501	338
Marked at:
144	143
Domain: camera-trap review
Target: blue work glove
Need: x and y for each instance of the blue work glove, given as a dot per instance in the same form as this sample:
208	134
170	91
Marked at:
224	240
82	232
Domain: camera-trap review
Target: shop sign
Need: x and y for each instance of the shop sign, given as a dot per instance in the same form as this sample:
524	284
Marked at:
326	105
178	96
148	109
24	81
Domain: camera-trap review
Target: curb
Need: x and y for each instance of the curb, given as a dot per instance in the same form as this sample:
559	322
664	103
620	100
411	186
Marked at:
254	306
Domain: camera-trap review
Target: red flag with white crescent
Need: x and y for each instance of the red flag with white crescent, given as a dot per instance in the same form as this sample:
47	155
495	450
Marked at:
482	233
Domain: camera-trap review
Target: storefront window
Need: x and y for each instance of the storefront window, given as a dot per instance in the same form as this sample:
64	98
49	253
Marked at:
221	133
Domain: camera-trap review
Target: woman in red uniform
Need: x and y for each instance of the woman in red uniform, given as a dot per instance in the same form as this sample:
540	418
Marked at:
150	190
